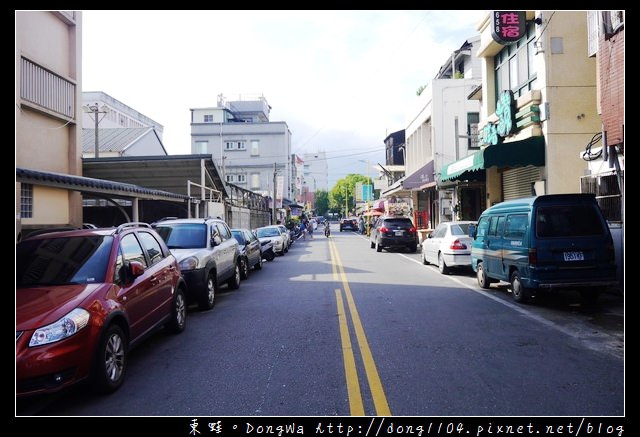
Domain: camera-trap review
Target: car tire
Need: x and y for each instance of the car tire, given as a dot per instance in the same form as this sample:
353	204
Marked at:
412	248
442	266
208	299
110	363
244	268
258	265
270	256
178	314
372	244
378	247
520	293
483	280
234	282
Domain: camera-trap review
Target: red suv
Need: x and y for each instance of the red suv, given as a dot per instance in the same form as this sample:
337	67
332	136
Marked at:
84	298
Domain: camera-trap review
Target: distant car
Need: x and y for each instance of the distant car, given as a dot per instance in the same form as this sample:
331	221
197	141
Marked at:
448	246
274	234
208	255
393	232
250	251
350	223
85	298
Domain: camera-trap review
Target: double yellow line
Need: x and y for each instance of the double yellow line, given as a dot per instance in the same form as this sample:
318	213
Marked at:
356	404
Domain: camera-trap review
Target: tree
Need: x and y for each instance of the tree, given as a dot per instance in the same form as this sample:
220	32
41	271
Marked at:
322	202
342	195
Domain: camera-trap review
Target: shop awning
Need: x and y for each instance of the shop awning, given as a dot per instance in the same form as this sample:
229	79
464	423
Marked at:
421	178
514	154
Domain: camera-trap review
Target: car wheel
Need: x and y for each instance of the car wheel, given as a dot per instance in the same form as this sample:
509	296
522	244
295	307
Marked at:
270	256
208	299
234	281
442	266
412	248
483	280
244	268
378	247
520	292
258	265
179	313
372	244
111	360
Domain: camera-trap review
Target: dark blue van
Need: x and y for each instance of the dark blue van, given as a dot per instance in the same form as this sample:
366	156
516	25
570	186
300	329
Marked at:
545	242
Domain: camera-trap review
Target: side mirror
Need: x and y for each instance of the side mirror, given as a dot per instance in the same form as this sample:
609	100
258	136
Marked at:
130	270
473	230
215	239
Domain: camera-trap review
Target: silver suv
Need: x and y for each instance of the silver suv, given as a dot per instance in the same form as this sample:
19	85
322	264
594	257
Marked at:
207	253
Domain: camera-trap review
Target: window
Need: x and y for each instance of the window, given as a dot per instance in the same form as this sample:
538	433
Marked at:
516	226
473	118
255	147
483	226
202	146
26	201
153	247
235	145
208	118
230	178
131	250
514	65
241	178
255	181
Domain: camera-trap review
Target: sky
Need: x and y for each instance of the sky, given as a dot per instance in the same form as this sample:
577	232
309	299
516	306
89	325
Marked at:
342	80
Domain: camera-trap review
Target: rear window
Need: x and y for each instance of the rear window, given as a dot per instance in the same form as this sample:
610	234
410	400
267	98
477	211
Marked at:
183	235
460	229
398	223
568	221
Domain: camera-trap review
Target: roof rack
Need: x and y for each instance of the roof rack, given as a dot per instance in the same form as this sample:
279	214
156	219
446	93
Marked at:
132	225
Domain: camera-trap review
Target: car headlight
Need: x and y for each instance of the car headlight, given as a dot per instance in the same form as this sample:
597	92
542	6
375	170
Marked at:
189	263
61	329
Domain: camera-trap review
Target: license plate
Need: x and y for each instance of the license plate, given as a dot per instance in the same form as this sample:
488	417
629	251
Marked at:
574	256
399	233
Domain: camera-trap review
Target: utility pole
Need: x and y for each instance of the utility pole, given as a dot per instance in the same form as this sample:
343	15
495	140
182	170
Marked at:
346	201
275	188
95	110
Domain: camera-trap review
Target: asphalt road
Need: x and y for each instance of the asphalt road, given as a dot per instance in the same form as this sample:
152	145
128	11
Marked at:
334	328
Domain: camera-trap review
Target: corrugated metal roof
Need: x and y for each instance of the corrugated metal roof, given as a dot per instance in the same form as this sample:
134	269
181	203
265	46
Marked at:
112	139
91	185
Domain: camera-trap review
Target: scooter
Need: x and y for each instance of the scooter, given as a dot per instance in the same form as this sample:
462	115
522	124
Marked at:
327	231
266	247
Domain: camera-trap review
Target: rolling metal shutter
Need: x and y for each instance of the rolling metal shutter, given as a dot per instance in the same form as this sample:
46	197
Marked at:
518	182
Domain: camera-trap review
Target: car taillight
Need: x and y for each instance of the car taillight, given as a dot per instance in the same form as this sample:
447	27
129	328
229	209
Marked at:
384	229
457	245
533	257
412	230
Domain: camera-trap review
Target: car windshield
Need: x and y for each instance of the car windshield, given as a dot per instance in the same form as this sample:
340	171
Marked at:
183	235
60	261
460	229
268	232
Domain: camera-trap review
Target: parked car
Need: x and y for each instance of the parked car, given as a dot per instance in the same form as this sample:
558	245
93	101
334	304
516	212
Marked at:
448	246
350	223
250	251
549	242
207	253
393	232
287	236
273	234
85	298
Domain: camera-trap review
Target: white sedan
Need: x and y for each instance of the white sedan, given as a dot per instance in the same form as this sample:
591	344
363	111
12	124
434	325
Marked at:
274	234
449	245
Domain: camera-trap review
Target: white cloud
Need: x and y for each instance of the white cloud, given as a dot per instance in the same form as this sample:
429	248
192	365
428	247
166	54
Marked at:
342	80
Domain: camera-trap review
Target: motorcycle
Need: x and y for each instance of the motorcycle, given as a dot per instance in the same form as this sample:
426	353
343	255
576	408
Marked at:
327	231
266	248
